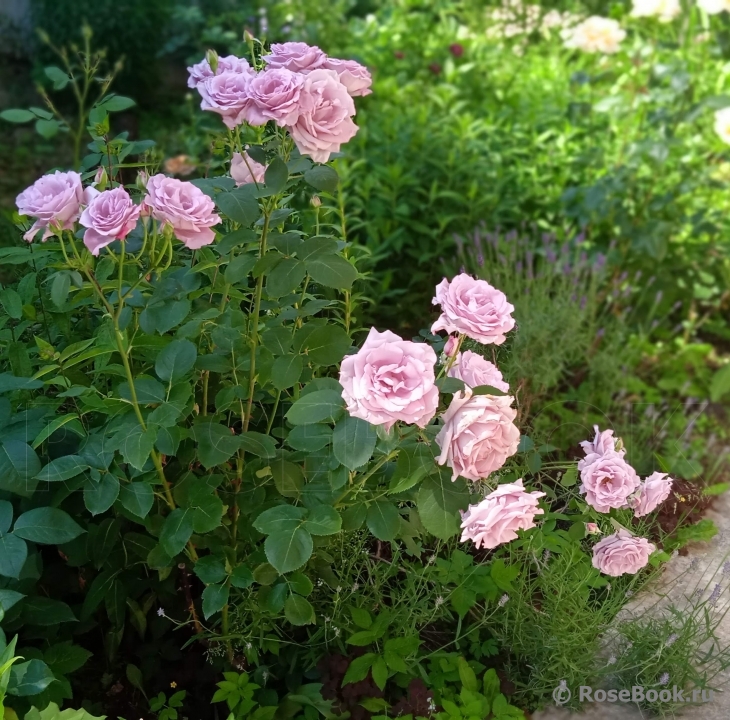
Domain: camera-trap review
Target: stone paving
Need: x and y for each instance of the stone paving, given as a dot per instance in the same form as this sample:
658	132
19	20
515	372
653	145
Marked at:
696	570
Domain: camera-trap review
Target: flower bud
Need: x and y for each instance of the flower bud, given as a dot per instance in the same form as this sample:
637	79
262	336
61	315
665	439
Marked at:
142	177
315	201
100	179
212	57
451	345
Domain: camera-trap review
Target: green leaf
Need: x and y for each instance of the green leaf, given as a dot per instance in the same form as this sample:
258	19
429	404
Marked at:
286	371
361	617
488	390
242	577
327	345
58	77
414	463
207	513
570	476
12	303
239	205
358	668
17	116
60	288
215	598
279	518
135	444
175	360
276	175
323	520
491	685
257	444
148	391
299	611
100	496
467	676
18	467
65	657
40	610
47	526
6	516
8	598
322	177
239	268
216	444
56	424
309	437
288	478
315	246
380	672
439	502
29	678
332	271
210	569
137	497
353	442
285	277
13	554
720	384
176	531
315	407
383	520
450	385
503	575
289	549
9	382
116	103
98	590
300	584
63	468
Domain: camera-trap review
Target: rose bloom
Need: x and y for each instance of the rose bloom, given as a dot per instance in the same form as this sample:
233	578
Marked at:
184	207
202	71
110	215
603	443
390	379
496	519
473	307
664	10
295	56
228	95
621	553
596	34
651	494
474	370
274	96
53	199
608	480
245	170
355	77
478	435
722	124
325	119
713	7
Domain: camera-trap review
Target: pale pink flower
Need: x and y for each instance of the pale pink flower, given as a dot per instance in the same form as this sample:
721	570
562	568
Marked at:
603	443
295	56
478	435
474	370
595	34
325	120
496	519
451	345
608	480
621	553
593	529
228	95
183	207
245	170
202	71
274	96
474	308
651	494
390	379
355	77
54	200
110	215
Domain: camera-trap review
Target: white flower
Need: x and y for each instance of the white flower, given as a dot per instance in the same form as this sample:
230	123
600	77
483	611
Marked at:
160	612
503	600
722	124
664	10
596	34
439	601
713	7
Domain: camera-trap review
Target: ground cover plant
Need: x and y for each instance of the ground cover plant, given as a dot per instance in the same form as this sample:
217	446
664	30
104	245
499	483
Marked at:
210	457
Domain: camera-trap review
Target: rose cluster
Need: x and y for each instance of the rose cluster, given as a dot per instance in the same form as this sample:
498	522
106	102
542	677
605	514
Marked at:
300	89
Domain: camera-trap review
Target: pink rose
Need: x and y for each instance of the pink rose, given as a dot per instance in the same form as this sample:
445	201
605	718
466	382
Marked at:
184	207
325	119
451	345
621	553
651	494
390	379
474	370
202	71
608	480
53	199
497	518
228	95
245	170
603	443
274	95
355	77
473	307
295	56
110	215
593	529
478	435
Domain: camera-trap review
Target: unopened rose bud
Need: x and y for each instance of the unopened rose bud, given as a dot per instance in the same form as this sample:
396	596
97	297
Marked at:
593	529
248	38
315	201
142	178
451	344
212	57
100	179
456	49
